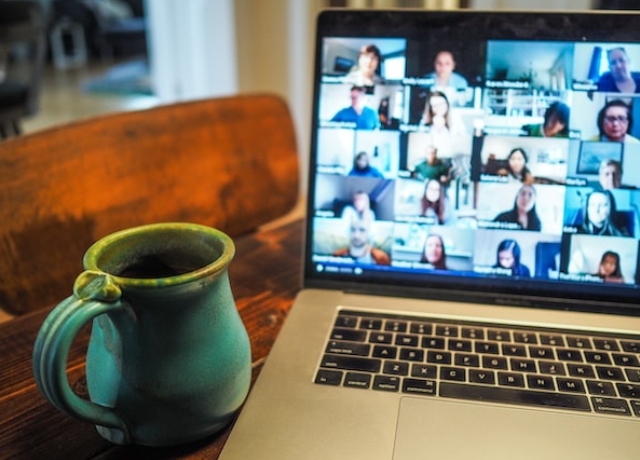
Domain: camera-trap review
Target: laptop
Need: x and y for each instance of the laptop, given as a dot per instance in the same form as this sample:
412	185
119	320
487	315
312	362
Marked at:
471	264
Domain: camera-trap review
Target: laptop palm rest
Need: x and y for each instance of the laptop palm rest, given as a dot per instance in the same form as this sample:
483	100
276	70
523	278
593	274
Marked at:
437	429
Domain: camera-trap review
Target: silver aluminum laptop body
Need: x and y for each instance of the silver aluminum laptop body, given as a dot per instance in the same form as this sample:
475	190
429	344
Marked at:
559	268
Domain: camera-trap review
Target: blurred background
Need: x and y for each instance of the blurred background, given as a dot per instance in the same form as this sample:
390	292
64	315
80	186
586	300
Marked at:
102	56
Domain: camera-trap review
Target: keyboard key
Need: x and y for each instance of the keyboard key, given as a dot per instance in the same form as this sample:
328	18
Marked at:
487	348
499	335
419	386
540	382
351	363
551	339
453	374
395	368
581	370
439	357
407	340
635	407
523	365
381	337
482	376
466	360
395	326
525	337
460	345
606	344
424	371
421	328
328	377
630	346
633	375
566	354
597	357
346	321
473	333
579	342
571	385
551	367
386	383
412	354
601	388
514	396
371	324
444	330
628	390
625	360
348	348
494	362
510	380
357	380
610	373
348	334
435	343
611	406
514	350
385	352
541	353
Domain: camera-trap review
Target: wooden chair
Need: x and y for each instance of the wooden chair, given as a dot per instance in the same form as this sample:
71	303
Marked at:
230	163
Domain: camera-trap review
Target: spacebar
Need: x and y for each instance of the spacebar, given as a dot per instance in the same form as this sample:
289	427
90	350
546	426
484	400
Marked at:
514	396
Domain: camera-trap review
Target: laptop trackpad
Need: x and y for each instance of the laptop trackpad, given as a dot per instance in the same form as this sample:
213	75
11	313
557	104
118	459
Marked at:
448	429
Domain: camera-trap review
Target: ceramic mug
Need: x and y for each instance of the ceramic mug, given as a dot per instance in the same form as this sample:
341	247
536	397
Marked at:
169	359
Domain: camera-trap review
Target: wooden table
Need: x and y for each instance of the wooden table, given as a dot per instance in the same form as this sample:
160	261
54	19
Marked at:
265	276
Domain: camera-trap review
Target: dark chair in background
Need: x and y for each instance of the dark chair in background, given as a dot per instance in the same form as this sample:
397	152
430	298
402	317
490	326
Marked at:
22	51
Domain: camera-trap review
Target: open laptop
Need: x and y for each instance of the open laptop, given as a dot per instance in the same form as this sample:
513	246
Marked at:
471	267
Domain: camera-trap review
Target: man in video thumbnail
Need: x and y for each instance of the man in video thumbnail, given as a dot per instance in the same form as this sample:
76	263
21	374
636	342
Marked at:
364	117
360	248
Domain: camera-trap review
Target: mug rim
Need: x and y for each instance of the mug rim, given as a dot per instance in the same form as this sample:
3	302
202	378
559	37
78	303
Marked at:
92	255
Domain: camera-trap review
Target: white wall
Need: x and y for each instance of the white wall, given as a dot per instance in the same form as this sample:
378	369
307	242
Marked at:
206	48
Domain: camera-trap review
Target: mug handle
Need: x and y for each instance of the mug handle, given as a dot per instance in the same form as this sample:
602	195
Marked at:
94	293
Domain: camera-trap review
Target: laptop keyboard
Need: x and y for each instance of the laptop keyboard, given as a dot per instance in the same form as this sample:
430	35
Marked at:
484	362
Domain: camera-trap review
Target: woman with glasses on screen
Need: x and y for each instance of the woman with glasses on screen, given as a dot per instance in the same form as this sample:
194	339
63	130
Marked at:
615	122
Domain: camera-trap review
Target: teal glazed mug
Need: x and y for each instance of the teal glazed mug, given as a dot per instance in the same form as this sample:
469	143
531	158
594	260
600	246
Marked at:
169	359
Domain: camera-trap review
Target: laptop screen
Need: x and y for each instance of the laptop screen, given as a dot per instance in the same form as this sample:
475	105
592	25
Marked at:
489	154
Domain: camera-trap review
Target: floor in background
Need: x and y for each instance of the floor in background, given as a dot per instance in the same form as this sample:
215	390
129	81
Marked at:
63	98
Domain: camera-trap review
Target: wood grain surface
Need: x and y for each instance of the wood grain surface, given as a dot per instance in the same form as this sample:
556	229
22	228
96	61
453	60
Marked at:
265	276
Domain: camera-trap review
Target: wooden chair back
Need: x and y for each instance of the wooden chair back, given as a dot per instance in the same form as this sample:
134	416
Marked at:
230	163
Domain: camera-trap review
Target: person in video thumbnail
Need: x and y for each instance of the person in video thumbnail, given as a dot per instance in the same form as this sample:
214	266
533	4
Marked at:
508	256
523	212
362	168
367	71
516	167
435	202
444	75
434	252
360	208
615	122
599	212
437	113
556	122
609	268
610	174
620	78
432	167
364	117
360	248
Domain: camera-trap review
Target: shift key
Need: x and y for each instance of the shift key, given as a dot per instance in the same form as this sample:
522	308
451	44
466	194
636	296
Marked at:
351	363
